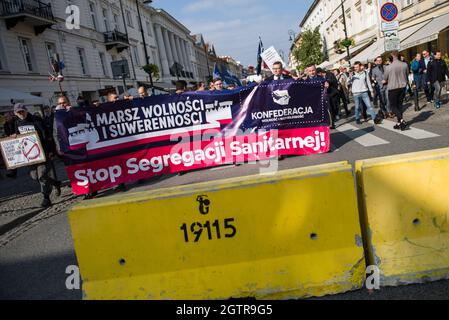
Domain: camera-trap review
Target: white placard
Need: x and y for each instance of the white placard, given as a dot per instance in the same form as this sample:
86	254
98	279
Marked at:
22	151
392	44
270	56
389	26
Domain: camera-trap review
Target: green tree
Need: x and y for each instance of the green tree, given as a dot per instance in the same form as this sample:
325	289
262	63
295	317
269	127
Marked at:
310	50
152	69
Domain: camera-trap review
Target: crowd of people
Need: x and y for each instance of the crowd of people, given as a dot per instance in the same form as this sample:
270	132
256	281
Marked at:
383	84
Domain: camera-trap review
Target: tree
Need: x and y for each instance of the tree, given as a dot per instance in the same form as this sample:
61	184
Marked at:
152	69
311	48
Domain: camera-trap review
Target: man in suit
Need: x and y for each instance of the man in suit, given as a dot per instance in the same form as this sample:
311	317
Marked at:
332	94
278	73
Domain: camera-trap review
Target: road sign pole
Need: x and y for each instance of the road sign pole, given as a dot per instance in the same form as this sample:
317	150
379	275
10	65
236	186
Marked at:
390	25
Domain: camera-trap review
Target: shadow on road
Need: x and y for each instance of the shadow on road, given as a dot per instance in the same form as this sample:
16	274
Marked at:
42	278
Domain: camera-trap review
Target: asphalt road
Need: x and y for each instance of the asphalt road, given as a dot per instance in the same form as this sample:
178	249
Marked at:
36	245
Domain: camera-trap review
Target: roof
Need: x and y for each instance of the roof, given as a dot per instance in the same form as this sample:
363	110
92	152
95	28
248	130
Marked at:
309	12
174	20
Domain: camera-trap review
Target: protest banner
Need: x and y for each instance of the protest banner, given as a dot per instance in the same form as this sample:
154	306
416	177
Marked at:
22	151
126	141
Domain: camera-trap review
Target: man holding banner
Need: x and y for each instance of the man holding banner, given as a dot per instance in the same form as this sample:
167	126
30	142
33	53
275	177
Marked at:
133	140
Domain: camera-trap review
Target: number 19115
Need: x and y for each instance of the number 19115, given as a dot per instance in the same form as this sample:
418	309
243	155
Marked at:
214	230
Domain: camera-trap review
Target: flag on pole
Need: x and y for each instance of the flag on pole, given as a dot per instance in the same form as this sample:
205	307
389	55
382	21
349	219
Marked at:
230	78
217	73
259	58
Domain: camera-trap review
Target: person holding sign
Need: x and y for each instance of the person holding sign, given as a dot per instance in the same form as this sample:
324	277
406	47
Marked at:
27	123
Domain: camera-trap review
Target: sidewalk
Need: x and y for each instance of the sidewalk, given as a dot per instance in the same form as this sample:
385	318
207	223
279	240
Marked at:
20	199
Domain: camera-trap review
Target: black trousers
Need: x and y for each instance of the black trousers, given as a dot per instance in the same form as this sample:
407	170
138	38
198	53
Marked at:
342	97
334	105
429	90
43	174
396	99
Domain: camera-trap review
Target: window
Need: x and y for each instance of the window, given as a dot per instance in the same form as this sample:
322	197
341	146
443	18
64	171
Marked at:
92	14
103	63
139	23
83	61
129	19
26	53
105	19
116	23
51	51
406	3
149	29
136	55
2	61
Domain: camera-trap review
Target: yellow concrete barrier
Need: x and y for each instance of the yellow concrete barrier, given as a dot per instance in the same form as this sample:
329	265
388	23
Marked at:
290	235
405	214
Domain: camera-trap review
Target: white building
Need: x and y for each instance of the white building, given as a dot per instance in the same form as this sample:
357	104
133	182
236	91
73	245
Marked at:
205	69
32	31
423	25
361	23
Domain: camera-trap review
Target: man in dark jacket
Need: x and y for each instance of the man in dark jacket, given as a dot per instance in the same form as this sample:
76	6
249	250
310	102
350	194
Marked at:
428	89
332	93
278	73
9	128
437	71
27	123
377	74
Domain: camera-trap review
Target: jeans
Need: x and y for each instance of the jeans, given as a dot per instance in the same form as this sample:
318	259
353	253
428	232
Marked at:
438	87
381	93
419	81
358	98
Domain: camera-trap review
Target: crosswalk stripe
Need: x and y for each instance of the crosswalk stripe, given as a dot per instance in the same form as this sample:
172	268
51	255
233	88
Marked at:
417	134
360	136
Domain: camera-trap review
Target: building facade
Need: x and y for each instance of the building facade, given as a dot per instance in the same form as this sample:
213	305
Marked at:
202	58
363	26
33	32
235	67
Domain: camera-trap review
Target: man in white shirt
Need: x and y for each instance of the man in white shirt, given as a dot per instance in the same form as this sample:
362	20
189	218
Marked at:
361	85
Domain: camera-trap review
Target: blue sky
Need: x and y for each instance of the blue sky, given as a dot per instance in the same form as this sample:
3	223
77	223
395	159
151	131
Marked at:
234	26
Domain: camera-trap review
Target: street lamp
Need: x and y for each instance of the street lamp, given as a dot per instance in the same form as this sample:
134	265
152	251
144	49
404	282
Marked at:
347	45
292	35
147	58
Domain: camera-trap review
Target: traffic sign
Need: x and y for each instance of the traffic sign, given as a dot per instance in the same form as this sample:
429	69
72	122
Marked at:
391	34
389	11
388	26
392	44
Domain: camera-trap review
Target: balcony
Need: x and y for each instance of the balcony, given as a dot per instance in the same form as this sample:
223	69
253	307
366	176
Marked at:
32	12
116	39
